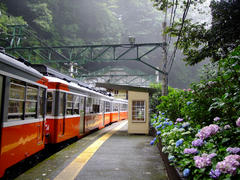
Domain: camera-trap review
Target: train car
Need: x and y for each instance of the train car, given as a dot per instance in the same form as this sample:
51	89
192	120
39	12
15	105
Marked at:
72	108
22	109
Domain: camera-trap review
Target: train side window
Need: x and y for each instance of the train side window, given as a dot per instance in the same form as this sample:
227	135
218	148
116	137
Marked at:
61	103
89	105
76	100
69	104
115	107
81	104
16	100
107	107
50	103
41	101
31	101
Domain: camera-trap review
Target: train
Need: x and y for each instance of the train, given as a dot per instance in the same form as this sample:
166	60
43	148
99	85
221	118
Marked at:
41	106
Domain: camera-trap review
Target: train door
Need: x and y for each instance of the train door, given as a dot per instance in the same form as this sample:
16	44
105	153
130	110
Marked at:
61	113
41	114
119	105
1	115
102	109
82	114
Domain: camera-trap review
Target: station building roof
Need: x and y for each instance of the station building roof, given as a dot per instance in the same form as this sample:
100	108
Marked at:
110	86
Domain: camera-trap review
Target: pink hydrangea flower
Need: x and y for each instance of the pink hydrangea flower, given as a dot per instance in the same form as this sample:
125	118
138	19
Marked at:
216	119
208	131
238	122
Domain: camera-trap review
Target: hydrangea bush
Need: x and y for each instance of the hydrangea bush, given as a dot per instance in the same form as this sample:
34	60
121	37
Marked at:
199	128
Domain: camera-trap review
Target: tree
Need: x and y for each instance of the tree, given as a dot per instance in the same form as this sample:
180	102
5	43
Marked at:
199	42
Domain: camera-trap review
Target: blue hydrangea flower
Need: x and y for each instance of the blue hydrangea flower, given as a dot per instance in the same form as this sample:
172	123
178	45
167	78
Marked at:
163	113
152	142
159	132
171	158
186	172
170	123
159	126
188	103
186	124
179	142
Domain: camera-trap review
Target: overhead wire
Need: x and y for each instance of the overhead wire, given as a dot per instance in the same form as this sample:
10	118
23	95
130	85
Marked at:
179	34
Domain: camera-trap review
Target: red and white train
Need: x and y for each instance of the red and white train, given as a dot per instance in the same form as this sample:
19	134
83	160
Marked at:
41	106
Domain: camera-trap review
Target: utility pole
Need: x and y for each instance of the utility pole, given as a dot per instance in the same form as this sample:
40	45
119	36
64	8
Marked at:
164	62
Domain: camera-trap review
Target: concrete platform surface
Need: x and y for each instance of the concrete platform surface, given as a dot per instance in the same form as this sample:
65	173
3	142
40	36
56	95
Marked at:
120	157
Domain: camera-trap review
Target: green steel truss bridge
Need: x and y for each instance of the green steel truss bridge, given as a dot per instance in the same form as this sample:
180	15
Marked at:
73	60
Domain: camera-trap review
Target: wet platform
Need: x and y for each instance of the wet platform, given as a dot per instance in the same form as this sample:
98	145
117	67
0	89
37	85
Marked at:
108	154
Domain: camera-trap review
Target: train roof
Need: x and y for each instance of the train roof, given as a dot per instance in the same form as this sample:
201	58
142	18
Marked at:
55	76
18	64
47	71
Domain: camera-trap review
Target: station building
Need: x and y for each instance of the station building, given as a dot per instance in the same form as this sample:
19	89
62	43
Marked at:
138	105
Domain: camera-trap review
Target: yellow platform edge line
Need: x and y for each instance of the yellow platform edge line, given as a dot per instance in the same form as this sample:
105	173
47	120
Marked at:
73	169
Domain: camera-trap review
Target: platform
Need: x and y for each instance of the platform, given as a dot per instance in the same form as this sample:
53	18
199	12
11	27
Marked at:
110	153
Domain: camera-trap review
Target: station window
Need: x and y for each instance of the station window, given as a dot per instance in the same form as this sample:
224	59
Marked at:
50	102
138	111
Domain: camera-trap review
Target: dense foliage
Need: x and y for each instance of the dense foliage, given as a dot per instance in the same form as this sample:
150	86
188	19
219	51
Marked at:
196	126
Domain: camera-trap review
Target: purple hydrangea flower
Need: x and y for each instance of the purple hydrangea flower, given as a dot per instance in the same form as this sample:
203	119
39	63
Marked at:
229	164
208	131
190	151
215	173
216	119
238	122
203	161
179	119
234	150
197	142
